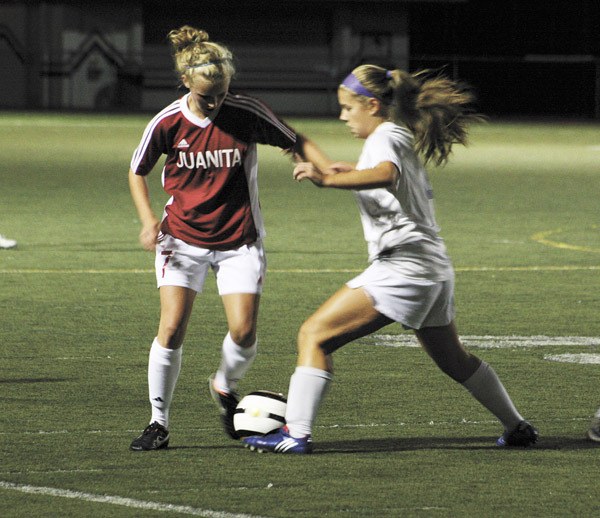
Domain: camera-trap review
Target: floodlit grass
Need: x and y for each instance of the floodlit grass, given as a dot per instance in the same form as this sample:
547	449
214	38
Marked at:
78	311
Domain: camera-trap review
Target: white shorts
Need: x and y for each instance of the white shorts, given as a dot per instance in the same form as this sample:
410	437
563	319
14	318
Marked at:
237	271
415	303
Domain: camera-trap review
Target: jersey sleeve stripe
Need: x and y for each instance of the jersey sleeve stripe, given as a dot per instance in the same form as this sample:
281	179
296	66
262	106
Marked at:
138	154
258	108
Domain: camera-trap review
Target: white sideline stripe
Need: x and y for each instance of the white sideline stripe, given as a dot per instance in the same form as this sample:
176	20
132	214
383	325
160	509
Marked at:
495	342
583	358
118	500
10	271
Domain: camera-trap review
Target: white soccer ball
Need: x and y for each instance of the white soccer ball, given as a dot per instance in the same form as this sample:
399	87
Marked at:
259	413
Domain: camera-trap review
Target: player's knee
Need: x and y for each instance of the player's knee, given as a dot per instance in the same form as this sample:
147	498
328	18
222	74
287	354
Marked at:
459	368
311	335
171	334
243	335
305	333
170	339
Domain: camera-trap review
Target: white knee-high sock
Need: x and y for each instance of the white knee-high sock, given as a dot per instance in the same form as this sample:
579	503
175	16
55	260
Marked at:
308	387
163	370
235	362
486	387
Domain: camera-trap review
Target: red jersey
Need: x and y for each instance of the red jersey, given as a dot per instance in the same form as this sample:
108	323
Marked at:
211	169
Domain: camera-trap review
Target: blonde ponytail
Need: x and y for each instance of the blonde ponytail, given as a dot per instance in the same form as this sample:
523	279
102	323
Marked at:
436	109
444	111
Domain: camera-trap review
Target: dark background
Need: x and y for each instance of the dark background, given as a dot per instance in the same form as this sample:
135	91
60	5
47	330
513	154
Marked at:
523	57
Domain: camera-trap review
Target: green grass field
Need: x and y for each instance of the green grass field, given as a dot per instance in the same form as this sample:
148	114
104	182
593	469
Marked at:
519	209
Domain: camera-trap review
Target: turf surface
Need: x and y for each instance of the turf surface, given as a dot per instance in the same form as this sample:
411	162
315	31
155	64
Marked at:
78	311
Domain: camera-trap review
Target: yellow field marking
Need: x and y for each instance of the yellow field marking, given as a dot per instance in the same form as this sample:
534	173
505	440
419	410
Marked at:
543	239
526	268
75	271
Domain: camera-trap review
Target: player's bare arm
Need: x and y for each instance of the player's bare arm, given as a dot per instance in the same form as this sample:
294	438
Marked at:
141	199
309	151
383	175
340	167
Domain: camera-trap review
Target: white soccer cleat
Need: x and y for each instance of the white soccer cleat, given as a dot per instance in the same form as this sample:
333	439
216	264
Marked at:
6	243
594	430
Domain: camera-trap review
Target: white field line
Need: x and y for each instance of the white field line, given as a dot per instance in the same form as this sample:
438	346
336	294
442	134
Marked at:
118	500
583	358
91	271
496	342
470	341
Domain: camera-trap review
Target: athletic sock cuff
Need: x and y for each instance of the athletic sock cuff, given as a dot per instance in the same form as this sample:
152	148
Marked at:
312	371
477	376
161	353
244	352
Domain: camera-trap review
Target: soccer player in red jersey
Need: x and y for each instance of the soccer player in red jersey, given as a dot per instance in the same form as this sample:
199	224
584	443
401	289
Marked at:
211	221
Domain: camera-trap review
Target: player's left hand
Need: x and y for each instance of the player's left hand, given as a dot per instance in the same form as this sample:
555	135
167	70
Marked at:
307	171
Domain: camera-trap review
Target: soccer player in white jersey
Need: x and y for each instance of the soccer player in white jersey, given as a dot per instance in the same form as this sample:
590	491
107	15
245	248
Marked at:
406	120
211	221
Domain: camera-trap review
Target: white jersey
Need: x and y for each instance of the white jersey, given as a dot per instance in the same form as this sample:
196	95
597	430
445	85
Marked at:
399	221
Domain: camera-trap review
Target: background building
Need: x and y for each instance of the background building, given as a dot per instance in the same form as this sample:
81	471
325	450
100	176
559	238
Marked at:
523	57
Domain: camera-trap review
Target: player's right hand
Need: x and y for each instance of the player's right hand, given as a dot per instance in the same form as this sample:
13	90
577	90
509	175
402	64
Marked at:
149	236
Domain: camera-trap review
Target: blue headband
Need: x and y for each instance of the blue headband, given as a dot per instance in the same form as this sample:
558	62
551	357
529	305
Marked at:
352	83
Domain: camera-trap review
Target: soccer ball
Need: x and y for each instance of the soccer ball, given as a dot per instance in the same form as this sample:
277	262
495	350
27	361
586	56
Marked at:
259	413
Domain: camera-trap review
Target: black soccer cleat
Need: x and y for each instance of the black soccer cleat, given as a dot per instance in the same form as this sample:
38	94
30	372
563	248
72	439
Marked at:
227	403
523	435
154	437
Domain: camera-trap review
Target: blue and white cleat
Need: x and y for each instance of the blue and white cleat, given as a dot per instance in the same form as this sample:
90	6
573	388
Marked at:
523	435
279	441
